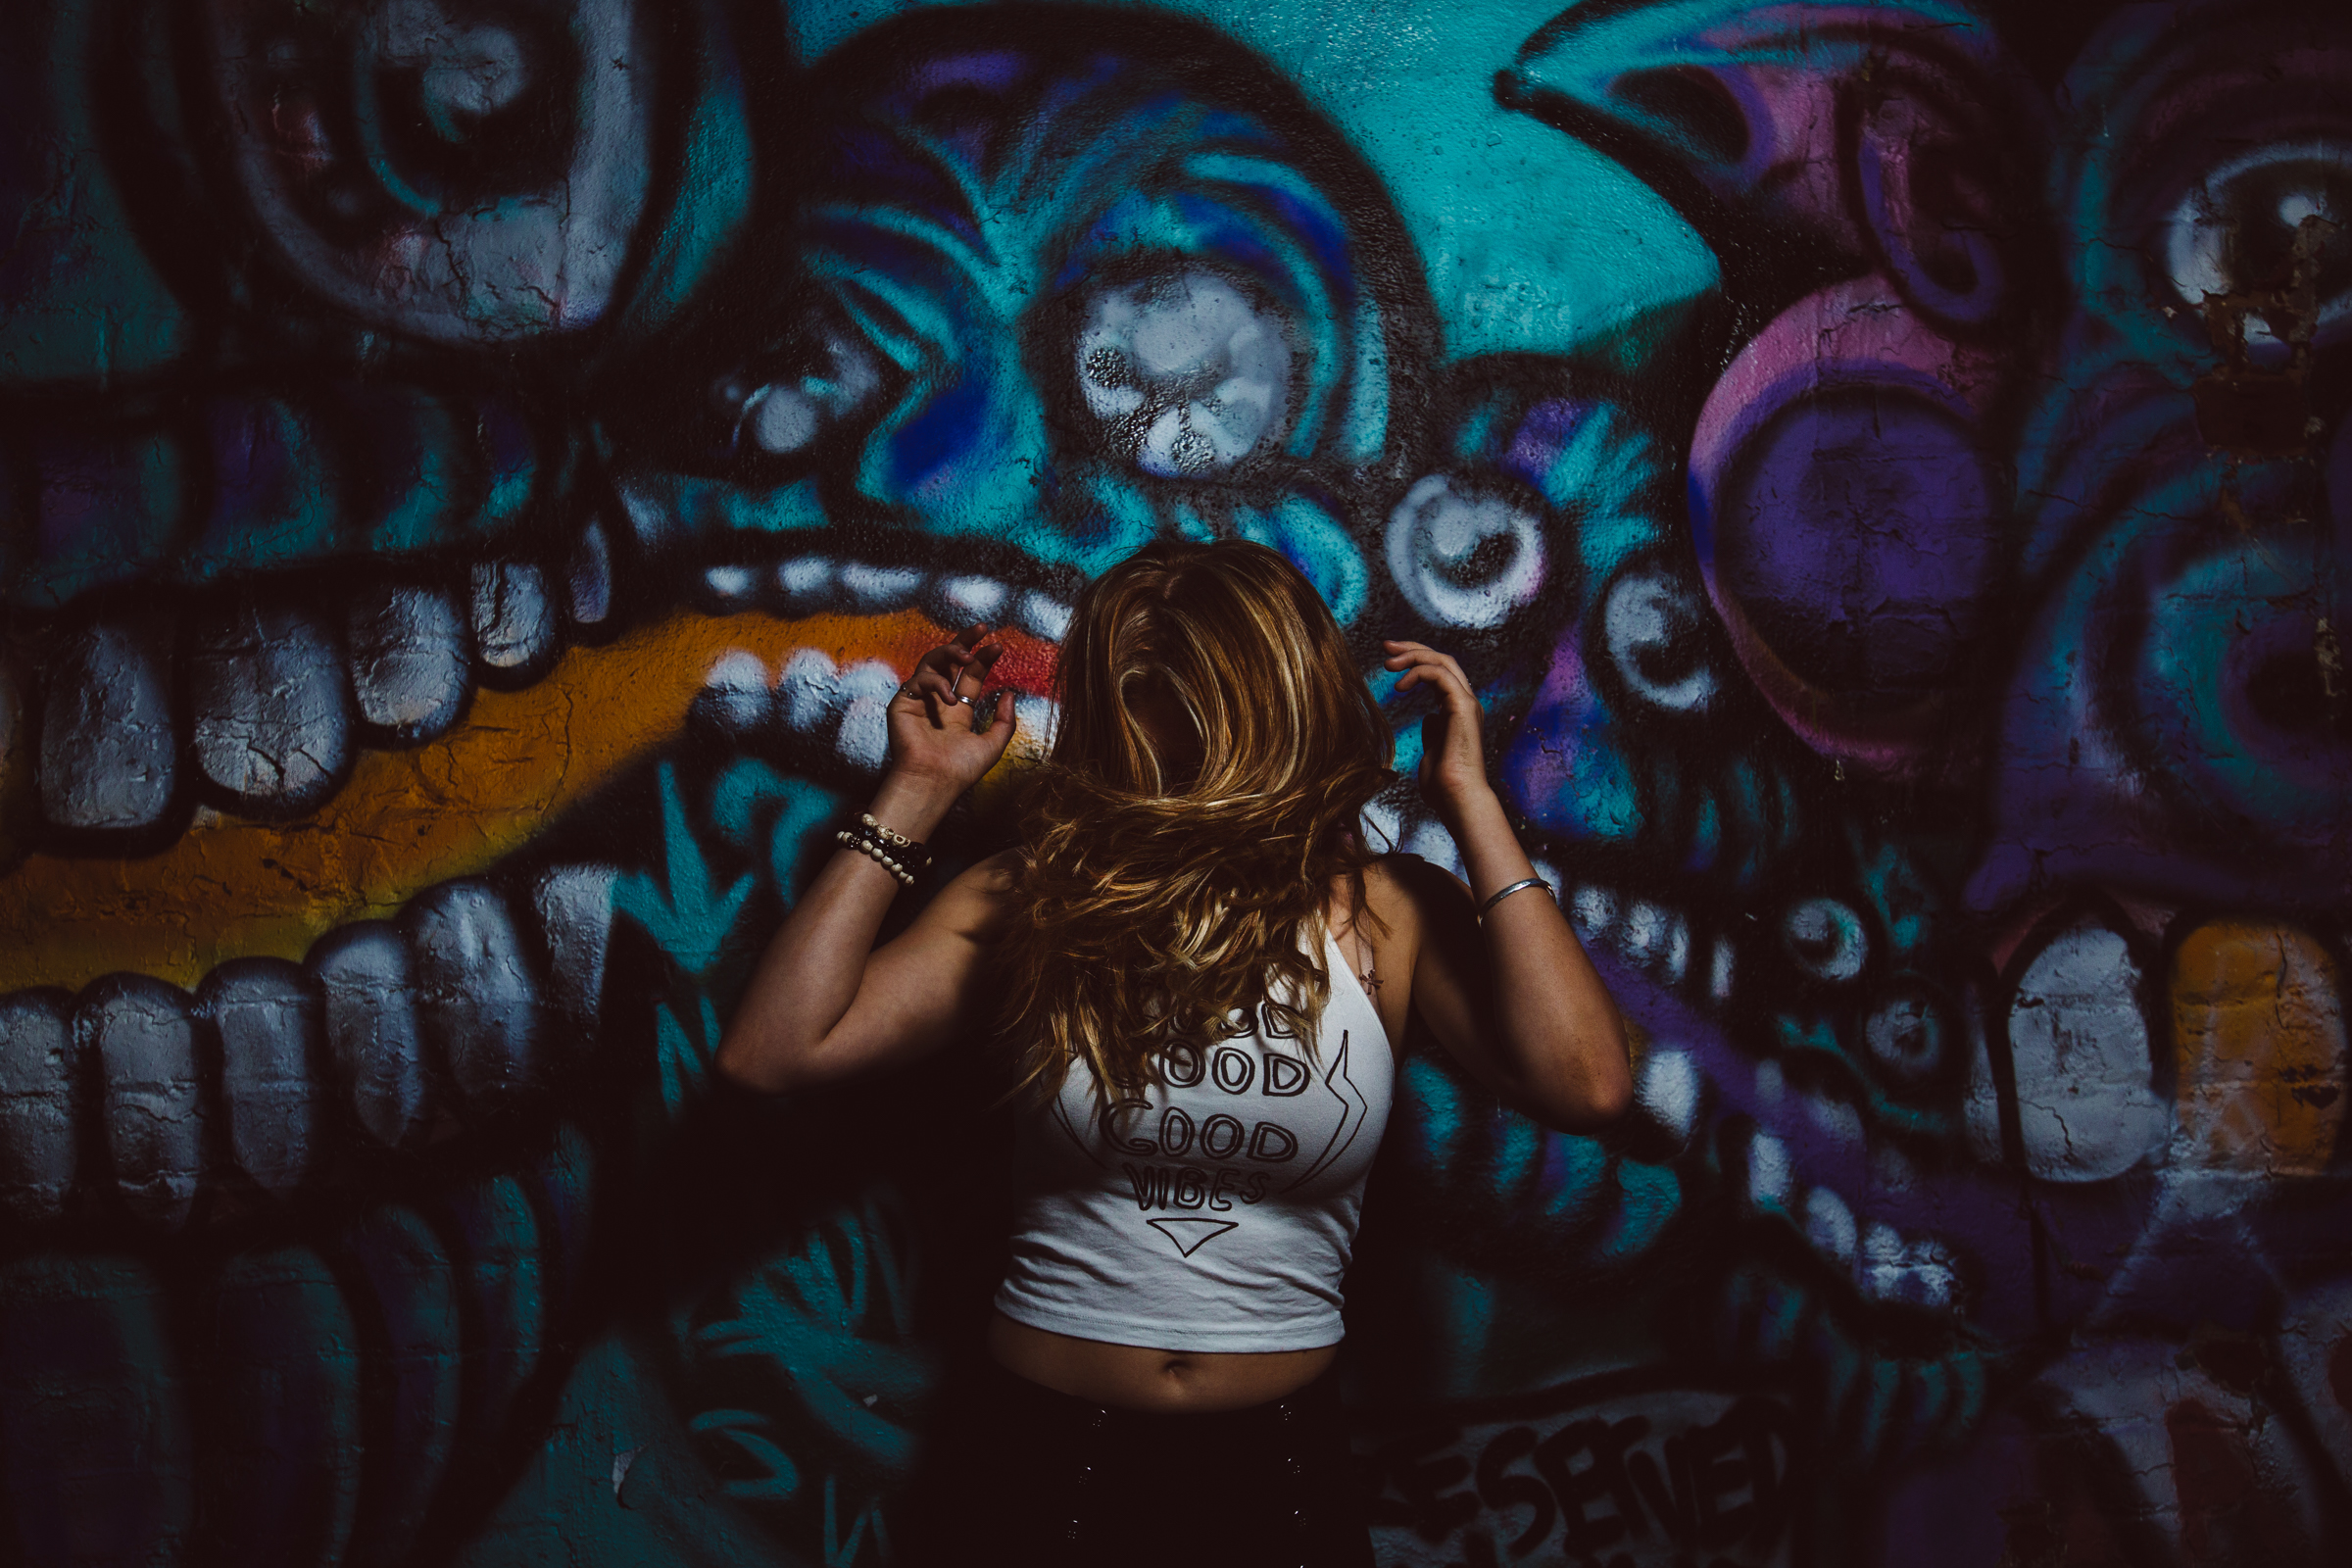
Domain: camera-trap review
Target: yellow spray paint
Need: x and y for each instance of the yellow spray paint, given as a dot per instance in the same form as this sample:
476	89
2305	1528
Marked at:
406	819
2259	1025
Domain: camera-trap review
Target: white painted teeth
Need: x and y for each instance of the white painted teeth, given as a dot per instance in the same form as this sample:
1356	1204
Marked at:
813	701
588	578
476	997
1594	911
866	689
411	652
1670	1089
804	585
2087	1107
1658	938
1830	1225
971	598
575	906
272	724
807	690
732	587
37	1132
145	1042
371	1026
278	697
513	623
109	749
875	588
423	1027
1836	1117
1043	615
1886	1264
1920	1272
266	1012
1642	932
1654	938
1769	1171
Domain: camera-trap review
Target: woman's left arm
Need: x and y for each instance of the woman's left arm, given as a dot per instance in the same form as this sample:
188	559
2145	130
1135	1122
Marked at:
1512	994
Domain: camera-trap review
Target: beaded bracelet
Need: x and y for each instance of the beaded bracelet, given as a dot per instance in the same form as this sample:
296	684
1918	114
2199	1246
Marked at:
894	852
874	852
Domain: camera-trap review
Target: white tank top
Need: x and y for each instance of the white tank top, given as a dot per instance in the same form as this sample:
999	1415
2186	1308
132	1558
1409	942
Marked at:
1213	1212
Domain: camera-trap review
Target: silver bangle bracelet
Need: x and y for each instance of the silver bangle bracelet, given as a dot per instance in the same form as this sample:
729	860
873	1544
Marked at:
1501	894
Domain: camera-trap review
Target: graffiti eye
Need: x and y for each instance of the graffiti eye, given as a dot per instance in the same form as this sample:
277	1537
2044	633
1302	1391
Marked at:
1188	375
1908	1034
1465	556
1826	939
2257	220
778	410
456	170
465	105
1650	622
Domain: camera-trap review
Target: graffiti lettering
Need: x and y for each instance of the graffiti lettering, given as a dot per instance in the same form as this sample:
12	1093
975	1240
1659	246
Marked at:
1660	1486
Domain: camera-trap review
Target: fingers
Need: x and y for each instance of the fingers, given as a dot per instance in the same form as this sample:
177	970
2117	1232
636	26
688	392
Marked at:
940	676
1434	733
937	694
959	650
1450	735
976	670
1421	662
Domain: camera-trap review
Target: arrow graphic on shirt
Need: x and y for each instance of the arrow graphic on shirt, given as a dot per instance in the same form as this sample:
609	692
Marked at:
1191	1235
1354	1109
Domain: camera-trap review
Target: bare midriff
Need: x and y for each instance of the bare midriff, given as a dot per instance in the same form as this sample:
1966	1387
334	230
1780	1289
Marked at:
1135	1377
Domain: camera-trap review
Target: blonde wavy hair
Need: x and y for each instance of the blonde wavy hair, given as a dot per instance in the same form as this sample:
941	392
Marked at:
1162	905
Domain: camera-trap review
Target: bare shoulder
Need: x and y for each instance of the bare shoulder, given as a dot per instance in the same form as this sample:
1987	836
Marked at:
1407	896
980	896
997	875
1405	887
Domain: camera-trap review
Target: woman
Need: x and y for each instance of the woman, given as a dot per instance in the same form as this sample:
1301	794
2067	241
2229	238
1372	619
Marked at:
1194	971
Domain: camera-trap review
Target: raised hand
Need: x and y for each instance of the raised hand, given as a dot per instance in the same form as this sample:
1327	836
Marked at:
933	733
1453	759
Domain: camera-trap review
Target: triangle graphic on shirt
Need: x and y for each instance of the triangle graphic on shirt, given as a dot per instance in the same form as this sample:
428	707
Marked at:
1191	1235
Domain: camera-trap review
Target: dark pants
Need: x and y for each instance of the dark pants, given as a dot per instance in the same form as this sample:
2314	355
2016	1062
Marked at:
1018	1474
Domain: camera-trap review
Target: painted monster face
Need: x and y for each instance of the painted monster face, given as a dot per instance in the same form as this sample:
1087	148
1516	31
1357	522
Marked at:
1867	176
2185	485
1044	302
375	685
1063	298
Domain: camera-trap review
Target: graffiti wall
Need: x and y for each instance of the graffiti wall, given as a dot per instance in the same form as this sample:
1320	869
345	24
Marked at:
471	472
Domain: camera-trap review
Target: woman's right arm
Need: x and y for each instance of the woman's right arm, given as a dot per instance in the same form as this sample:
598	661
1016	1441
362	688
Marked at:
823	1002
